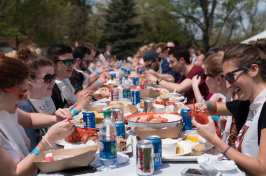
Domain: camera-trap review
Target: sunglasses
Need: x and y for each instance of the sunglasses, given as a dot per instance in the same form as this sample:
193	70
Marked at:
22	94
230	76
47	78
204	76
68	61
170	47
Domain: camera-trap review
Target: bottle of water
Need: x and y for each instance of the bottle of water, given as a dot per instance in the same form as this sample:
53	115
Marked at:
108	148
121	75
126	90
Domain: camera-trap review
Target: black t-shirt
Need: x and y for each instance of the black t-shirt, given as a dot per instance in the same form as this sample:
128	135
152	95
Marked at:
76	80
57	98
240	110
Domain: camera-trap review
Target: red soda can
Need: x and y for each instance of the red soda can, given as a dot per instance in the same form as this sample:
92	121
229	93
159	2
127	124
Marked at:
114	94
142	85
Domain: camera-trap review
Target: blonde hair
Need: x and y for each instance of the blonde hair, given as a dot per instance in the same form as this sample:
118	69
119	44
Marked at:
143	49
213	64
12	54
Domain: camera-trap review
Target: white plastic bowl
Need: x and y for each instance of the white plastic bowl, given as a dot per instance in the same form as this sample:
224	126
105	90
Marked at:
173	120
169	147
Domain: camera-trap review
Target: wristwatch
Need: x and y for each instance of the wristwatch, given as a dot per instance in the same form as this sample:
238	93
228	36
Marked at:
158	81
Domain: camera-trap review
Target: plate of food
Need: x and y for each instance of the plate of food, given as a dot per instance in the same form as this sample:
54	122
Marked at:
153	120
103	92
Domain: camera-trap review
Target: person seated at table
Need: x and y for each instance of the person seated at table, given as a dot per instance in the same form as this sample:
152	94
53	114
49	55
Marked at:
244	69
80	78
63	93
39	92
180	62
14	143
213	77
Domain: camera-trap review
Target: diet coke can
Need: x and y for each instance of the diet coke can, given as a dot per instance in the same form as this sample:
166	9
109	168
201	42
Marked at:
114	94
145	152
148	105
118	114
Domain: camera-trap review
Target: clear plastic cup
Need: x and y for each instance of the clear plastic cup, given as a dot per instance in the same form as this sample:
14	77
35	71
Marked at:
192	135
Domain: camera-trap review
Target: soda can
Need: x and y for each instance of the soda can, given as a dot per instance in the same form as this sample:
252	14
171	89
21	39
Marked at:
120	130
89	119
114	94
139	72
128	72
135	97
157	144
118	114
111	70
113	76
145	165
186	120
148	105
136	80
117	67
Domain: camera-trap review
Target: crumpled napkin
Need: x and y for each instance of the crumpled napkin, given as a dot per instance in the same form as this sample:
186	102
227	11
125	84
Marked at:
71	146
121	158
216	163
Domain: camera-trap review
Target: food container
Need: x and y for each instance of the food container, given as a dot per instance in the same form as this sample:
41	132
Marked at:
169	147
158	108
102	105
192	135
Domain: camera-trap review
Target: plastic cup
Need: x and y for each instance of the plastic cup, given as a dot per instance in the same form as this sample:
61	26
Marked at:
192	135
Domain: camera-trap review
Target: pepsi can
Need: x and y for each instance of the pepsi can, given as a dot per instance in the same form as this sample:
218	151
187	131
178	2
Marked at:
157	144
128	72
111	70
139	72
136	80
135	97
120	130
113	76
89	119
186	120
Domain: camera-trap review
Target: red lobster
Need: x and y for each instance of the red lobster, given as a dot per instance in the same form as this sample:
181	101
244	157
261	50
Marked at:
77	134
202	117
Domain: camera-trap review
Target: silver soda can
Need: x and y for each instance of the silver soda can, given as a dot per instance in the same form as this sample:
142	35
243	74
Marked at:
145	155
148	105
118	114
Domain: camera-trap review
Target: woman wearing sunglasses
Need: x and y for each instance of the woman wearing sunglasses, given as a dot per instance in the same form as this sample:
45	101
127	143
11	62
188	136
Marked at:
14	77
244	67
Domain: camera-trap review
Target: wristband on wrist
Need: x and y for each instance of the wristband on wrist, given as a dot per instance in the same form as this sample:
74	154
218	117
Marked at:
74	111
98	83
35	151
208	103
153	85
215	118
47	141
97	72
226	150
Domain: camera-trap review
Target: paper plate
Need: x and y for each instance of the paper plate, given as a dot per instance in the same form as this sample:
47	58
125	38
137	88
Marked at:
186	145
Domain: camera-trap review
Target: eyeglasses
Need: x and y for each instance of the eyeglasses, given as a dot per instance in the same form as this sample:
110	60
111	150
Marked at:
67	62
230	76
47	78
170	47
204	76
22	94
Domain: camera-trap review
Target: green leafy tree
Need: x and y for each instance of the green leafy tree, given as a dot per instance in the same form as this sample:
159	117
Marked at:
120	30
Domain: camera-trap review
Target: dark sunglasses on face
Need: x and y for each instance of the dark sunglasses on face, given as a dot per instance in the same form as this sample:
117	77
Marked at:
170	47
47	78
230	76
204	76
68	62
21	94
